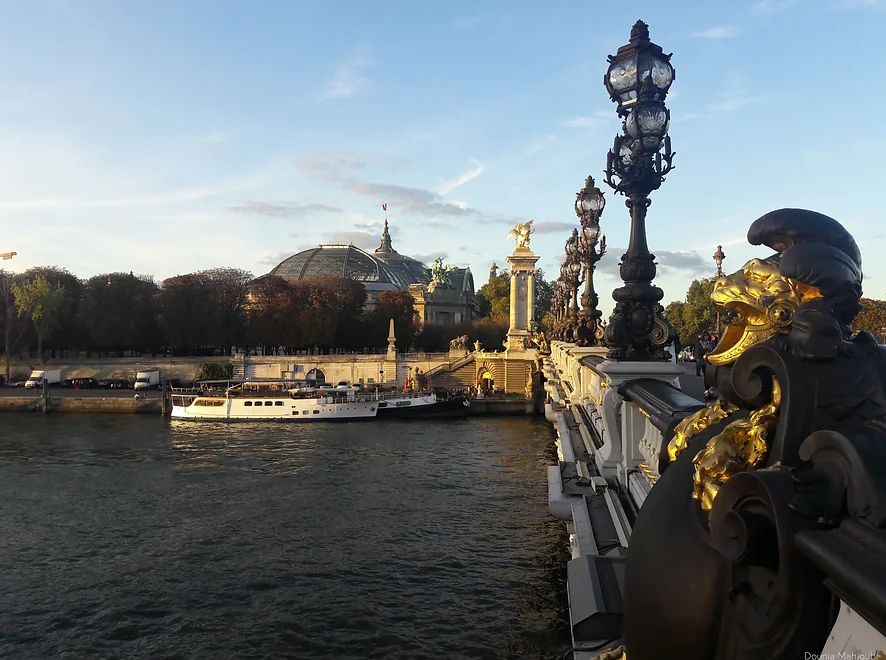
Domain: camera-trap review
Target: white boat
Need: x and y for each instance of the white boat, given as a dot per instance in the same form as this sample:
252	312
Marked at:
274	400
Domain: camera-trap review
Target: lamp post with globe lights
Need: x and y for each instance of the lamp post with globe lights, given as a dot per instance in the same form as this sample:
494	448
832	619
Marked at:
589	204
638	80
573	279
719	256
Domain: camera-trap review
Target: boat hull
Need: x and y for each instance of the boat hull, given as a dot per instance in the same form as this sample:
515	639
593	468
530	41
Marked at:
448	408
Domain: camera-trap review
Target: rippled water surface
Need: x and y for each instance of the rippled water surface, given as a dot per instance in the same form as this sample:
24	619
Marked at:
136	537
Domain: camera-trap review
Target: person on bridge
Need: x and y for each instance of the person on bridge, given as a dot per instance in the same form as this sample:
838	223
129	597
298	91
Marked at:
702	348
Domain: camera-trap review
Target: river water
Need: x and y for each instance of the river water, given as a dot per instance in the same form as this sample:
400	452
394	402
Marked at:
137	537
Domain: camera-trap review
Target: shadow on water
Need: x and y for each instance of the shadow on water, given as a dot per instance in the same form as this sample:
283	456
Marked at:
134	537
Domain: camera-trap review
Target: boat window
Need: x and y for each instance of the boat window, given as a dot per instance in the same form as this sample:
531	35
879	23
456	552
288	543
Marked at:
278	403
305	412
316	412
294	412
269	403
247	403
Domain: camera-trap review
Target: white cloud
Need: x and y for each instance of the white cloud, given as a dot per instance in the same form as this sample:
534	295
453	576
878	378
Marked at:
590	121
463	178
767	7
287	210
721	32
348	79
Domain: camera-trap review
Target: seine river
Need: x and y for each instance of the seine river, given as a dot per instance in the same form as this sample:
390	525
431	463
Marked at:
136	537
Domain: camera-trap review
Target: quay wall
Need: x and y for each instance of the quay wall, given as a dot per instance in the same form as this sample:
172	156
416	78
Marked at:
335	367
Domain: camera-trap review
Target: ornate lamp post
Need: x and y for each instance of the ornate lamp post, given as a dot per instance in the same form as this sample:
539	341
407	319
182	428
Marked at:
719	256
638	80
589	203
572	269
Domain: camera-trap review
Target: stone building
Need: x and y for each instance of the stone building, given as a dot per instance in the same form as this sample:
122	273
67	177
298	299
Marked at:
447	298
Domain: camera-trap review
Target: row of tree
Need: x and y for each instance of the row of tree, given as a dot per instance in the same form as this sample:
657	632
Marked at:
211	310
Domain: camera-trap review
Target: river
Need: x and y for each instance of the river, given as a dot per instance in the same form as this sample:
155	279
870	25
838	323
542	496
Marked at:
139	537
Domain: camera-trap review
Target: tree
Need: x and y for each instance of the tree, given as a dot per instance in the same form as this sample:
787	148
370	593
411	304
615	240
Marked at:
544	294
495	296
871	318
272	313
397	305
42	301
185	312
13	324
696	312
119	311
333	314
69	332
226	288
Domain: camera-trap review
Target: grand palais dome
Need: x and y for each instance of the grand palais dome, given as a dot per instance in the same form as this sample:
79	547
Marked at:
384	270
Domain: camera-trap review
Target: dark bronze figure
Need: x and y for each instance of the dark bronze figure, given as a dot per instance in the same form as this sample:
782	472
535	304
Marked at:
772	499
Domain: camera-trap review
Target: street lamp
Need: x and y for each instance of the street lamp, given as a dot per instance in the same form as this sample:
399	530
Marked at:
589	204
573	279
719	256
638	80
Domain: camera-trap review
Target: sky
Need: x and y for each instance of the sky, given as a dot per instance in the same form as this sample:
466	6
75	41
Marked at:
164	137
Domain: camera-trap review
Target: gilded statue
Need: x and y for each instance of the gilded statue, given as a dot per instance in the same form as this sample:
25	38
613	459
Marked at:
440	274
521	234
771	501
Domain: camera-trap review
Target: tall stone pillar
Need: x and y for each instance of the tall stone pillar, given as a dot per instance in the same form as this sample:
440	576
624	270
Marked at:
522	263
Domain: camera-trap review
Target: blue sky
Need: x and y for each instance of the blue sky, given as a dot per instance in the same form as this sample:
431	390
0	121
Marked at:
165	137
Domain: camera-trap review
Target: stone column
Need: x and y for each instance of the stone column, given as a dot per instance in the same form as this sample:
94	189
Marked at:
522	263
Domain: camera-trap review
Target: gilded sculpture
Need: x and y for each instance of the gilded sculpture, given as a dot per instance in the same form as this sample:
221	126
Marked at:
775	492
440	274
521	234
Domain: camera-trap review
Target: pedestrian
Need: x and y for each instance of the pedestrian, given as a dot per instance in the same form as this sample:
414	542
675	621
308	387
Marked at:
702	348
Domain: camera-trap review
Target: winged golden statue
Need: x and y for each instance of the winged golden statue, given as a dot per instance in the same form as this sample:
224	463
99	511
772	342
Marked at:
521	233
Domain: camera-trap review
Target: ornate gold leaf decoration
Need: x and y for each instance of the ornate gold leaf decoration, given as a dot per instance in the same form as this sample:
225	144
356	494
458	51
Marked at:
615	654
715	412
766	301
740	447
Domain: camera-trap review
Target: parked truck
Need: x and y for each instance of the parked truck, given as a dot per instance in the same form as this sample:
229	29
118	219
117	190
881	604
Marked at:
146	380
40	377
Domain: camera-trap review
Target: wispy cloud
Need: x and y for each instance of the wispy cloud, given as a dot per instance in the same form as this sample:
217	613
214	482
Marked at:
553	227
328	166
407	201
463	178
466	23
349	79
430	257
688	264
281	209
362	239
274	258
720	32
590	121
767	7
539	143
163	199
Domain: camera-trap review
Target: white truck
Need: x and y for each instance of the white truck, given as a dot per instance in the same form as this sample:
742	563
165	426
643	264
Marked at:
145	380
39	377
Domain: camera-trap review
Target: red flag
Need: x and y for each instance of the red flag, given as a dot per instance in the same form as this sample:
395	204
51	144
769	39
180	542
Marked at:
384	207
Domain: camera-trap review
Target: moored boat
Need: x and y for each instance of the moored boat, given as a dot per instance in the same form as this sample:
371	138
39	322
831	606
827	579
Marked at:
425	404
275	400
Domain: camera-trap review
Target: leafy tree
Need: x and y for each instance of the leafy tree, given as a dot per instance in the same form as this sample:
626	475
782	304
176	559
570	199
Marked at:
333	315
544	294
226	288
43	302
119	311
495	296
215	371
13	325
871	318
397	305
696	312
272	313
69	332
185	312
